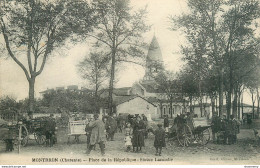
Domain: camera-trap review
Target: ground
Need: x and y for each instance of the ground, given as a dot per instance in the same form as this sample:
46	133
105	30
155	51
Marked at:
246	151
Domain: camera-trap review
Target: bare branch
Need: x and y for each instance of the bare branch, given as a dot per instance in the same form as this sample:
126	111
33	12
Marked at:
10	52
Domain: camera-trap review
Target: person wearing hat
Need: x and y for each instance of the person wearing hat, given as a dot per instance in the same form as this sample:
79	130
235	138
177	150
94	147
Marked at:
159	140
166	123
215	126
50	130
138	134
97	135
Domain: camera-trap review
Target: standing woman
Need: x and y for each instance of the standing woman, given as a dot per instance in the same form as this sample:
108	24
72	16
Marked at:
138	134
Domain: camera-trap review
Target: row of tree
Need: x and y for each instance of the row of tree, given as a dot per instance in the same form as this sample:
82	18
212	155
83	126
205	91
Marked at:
221	51
33	29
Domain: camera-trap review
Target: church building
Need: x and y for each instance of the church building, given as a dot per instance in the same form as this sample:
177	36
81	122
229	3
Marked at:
148	88
157	103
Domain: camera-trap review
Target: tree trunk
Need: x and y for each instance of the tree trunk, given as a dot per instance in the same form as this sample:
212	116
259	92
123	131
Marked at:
31	95
111	84
230	90
200	101
253	102
221	92
234	111
242	99
96	98
191	109
183	102
171	100
161	109
258	101
238	105
212	104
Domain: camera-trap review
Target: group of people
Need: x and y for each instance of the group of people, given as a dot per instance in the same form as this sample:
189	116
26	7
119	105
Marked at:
225	130
100	130
136	131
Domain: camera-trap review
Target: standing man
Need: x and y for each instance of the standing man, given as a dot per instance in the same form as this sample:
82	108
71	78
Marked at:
50	131
215	126
166	124
159	140
111	126
97	135
233	129
145	121
225	128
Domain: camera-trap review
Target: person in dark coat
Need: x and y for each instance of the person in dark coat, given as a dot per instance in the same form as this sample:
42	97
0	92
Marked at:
97	135
232	134
111	127
215	126
166	124
50	130
9	132
138	134
159	140
249	121
145	121
88	130
225	128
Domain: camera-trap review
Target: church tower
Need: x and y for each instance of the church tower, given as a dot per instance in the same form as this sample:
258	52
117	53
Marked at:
154	61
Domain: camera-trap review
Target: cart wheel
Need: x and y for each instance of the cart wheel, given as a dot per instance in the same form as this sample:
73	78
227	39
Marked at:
203	137
184	135
24	136
39	138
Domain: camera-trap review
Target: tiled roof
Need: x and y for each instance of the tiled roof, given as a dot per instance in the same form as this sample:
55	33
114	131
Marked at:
122	99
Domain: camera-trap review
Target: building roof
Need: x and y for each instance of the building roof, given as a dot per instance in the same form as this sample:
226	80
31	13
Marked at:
117	91
122	99
151	87
47	91
60	88
154	52
152	99
73	87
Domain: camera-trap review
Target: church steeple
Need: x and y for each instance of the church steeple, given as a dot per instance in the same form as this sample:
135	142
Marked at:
154	52
154	61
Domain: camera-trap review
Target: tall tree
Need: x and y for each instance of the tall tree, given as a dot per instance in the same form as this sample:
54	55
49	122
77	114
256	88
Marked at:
168	85
94	69
32	29
120	33
228	28
238	33
201	28
189	84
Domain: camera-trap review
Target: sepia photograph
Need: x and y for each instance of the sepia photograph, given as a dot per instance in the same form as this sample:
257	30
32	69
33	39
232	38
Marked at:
129	82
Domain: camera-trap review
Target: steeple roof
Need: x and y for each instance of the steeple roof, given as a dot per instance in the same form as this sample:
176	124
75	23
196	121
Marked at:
154	52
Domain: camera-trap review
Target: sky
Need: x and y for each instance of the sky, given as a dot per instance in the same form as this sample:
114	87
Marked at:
61	69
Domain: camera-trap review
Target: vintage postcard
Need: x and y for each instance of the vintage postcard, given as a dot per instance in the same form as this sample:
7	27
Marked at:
129	82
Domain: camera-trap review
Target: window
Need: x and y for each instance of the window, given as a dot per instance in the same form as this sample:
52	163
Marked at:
163	110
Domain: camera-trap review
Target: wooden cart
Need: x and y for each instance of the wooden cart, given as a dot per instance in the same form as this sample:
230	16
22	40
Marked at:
190	132
76	128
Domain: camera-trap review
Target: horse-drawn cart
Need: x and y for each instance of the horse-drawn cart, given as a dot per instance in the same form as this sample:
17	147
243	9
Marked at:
13	132
189	131
36	129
